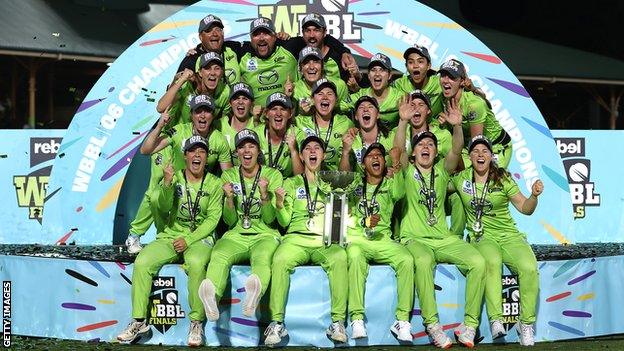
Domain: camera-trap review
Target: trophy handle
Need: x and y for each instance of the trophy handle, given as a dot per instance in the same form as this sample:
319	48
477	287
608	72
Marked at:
327	225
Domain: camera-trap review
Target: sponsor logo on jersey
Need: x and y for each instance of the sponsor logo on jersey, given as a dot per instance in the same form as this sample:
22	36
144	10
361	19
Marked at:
471	116
279	59
165	310
230	75
159	159
467	187
252	65
301	194
268	77
578	170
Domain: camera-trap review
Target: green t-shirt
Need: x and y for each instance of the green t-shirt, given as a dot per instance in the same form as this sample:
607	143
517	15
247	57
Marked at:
158	161
267	76
180	111
294	215
390	191
232	69
229	134
445	139
432	89
284	161
334	148
331	68
219	151
476	111
262	216
303	91
496	219
414	222
173	203
388	109
358	148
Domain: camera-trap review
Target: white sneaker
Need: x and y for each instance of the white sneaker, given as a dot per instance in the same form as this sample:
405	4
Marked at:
402	330
525	333
196	334
358	330
438	336
133	244
133	330
337	332
207	296
274	334
498	329
465	335
253	287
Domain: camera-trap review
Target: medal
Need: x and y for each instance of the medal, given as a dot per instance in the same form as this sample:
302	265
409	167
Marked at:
368	209
310	224
432	220
246	222
478	204
429	195
477	226
369	232
246	201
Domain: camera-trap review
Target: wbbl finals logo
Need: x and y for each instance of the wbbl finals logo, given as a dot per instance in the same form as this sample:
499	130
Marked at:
578	170
288	14
165	309
511	301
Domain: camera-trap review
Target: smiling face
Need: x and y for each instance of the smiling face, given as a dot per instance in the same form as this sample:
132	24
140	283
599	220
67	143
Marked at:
480	157
312	69
202	118
263	42
419	118
313	35
212	38
278	117
241	107
211	74
378	77
195	160
312	155
450	86
425	152
375	163
324	101
417	67
366	115
248	154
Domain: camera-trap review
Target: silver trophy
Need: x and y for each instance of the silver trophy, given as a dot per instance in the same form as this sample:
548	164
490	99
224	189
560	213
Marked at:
336	209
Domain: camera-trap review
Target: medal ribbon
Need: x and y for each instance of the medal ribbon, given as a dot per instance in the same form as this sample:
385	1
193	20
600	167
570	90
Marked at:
247	201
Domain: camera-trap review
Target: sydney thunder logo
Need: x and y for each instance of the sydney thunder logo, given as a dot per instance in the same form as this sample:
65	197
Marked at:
288	14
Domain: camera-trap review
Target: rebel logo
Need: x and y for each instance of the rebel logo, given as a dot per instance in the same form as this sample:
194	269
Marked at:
43	149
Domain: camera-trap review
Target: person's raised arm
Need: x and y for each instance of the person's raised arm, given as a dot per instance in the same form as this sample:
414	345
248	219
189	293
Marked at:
172	92
453	116
527	205
155	140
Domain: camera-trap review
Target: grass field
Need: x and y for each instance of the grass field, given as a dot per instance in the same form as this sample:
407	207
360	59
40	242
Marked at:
604	343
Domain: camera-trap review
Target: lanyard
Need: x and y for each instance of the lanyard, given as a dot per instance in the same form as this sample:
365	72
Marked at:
193	205
478	203
279	150
329	130
428	193
364	146
247	201
311	206
368	209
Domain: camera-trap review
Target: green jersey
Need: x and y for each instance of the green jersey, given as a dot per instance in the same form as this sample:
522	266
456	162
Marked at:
380	201
332	136
302	91
223	125
219	151
414	223
180	111
262	217
278	156
496	219
432	89
294	215
388	109
192	212
358	147
267	76
445	139
232	68
476	111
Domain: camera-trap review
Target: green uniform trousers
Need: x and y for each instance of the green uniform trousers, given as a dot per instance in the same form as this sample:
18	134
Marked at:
234	248
427	252
160	252
147	212
514	251
298	249
455	208
360	251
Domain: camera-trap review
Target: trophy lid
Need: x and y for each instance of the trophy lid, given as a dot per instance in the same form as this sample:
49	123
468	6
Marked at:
338	180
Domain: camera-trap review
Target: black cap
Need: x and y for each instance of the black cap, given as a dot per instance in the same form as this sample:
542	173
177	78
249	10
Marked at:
244	135
202	100
310	51
479	139
419	94
420	50
241	89
310	138
321	83
373	146
380	59
422	135
261	23
195	140
209	21
315	19
209	57
454	68
368	98
278	99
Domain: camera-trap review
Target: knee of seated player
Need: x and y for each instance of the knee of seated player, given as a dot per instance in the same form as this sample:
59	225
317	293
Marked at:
424	262
527	269
355	254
